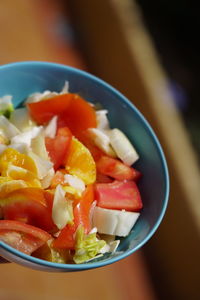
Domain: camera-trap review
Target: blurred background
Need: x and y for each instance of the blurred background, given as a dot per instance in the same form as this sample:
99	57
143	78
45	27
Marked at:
149	50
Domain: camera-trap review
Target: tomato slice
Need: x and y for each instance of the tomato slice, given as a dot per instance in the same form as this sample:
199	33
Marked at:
66	238
29	205
44	110
23	237
82	209
116	169
78	116
118	195
101	178
72	110
58	147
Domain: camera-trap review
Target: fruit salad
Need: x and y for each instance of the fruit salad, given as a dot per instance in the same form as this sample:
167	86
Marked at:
68	188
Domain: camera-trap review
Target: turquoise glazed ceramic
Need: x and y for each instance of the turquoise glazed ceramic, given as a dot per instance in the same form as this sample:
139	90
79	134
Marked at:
22	79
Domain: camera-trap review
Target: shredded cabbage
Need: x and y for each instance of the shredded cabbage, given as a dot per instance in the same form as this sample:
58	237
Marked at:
43	166
38	147
21	119
36	97
87	246
75	182
51	128
27	136
8	129
6	106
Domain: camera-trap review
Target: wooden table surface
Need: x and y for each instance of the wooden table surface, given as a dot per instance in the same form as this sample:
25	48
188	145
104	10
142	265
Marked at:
36	30
125	280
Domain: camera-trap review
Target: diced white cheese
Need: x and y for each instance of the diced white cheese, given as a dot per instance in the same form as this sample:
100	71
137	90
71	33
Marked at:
102	141
123	147
114	222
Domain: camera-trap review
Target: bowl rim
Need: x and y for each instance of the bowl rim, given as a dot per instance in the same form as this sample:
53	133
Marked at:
119	95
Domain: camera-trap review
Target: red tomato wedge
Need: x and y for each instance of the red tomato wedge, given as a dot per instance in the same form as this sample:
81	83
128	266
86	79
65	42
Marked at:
101	178
78	116
29	205
44	110
23	237
66	238
72	110
82	209
118	195
58	147
116	169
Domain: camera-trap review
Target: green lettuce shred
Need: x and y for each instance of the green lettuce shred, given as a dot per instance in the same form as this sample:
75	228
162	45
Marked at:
7	112
6	106
87	246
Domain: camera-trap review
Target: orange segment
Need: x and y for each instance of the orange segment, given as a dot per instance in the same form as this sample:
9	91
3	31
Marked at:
18	173
28	193
80	162
8	185
35	183
15	172
17	159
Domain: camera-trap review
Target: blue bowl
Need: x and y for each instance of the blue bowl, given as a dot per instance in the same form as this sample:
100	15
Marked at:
23	78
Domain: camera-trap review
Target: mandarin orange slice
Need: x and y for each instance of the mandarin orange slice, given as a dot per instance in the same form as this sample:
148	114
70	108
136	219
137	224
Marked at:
12	156
80	162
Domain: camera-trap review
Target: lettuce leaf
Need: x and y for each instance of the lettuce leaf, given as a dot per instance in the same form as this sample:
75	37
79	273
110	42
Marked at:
87	246
6	106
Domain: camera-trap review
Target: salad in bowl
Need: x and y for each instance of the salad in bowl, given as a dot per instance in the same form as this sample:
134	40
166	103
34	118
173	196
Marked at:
71	185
